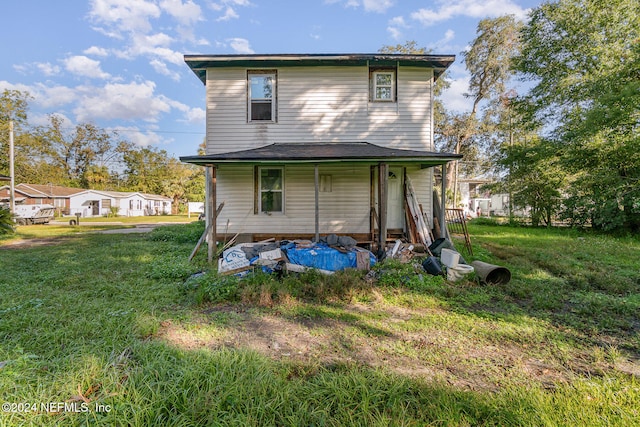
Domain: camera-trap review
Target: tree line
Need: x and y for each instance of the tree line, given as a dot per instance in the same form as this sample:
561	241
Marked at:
568	146
86	156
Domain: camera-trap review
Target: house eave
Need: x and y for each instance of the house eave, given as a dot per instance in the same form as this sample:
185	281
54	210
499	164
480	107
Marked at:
200	63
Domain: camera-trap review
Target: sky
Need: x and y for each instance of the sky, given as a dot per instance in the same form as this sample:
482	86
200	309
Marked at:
119	64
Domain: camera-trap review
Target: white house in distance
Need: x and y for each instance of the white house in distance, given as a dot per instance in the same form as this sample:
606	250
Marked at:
88	203
324	143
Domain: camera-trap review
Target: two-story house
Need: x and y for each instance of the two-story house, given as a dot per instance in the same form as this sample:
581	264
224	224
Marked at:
301	145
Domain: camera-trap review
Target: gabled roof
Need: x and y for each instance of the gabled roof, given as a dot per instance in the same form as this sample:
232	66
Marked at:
41	190
200	63
324	152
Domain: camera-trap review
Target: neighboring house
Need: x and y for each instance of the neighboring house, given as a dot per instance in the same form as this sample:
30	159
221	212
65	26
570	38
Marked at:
87	203
324	143
37	194
474	196
100	202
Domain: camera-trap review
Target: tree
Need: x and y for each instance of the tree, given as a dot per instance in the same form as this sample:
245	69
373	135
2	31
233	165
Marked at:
535	179
584	59
82	156
488	61
14	106
146	169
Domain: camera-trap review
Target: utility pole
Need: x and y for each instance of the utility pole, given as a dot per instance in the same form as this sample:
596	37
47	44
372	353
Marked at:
12	198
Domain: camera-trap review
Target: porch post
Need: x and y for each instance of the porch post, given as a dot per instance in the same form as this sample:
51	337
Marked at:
212	237
443	217
383	179
317	195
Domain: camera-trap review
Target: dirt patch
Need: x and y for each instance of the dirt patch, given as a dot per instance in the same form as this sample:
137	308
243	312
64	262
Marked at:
34	243
371	338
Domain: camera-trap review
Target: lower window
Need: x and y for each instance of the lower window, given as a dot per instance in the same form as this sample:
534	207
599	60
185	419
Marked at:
271	189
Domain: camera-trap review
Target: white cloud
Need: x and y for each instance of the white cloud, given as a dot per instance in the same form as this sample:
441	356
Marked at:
96	51
161	68
133	21
133	101
444	44
124	15
395	27
196	116
229	7
47	69
44	96
454	99
228	15
44	68
186	13
81	65
240	45
470	8
155	46
141	138
379	6
54	96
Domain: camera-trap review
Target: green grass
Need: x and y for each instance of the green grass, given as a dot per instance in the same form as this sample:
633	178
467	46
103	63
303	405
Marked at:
117	321
154	219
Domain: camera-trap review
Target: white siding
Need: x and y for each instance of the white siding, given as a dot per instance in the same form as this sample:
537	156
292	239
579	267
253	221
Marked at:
320	104
343	210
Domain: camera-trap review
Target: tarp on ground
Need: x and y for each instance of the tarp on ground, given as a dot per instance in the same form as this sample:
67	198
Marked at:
323	257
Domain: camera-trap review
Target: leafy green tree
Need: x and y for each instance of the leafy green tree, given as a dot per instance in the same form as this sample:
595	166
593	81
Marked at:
83	157
583	57
146	169
14	106
535	179
488	61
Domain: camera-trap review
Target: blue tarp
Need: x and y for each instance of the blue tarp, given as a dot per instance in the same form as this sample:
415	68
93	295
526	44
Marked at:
323	257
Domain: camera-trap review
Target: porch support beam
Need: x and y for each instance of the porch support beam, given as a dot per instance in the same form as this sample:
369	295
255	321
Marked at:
443	217
317	200
210	208
383	181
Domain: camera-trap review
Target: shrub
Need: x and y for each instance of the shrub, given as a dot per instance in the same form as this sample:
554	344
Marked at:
171	268
179	233
6	222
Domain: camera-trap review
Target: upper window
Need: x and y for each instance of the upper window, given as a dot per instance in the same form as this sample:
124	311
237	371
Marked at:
271	185
262	96
383	85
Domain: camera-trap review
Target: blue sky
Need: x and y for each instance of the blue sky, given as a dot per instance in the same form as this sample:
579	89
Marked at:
119	63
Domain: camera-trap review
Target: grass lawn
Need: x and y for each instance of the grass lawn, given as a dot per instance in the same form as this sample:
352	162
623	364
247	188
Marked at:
113	330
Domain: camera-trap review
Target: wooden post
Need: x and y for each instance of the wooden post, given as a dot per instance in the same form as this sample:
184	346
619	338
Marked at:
383	179
443	208
210	176
372	202
317	193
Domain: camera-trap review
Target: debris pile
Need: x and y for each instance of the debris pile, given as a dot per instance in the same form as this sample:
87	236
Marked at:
332	253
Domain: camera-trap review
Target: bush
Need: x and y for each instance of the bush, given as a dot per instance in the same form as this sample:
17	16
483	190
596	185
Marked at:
6	222
179	233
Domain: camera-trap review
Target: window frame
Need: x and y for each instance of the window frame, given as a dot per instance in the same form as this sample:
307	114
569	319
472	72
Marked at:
259	191
273	100
373	83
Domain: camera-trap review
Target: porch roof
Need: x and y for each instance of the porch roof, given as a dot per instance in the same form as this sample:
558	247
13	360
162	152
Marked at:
324	152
